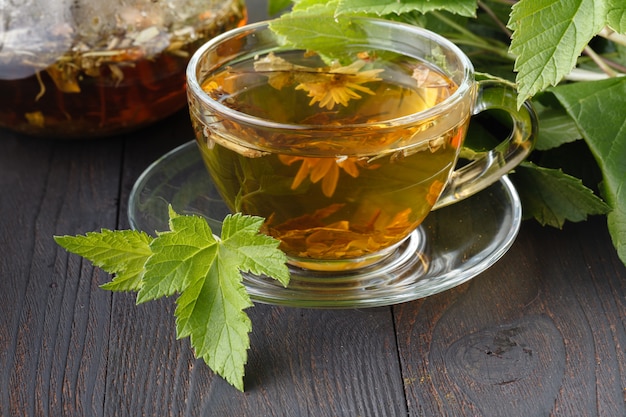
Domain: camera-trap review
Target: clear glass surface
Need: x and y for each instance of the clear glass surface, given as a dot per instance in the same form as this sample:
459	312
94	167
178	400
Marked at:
341	184
454	244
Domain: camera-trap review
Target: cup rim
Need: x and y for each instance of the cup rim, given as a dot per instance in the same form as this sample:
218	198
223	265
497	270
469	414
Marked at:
194	87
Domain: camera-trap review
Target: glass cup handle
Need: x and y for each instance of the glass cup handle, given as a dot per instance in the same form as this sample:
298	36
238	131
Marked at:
490	166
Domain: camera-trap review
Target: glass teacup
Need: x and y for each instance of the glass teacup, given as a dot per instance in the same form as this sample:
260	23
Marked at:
344	156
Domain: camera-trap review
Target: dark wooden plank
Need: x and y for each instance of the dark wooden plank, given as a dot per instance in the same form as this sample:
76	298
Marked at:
54	326
148	369
323	363
301	363
540	333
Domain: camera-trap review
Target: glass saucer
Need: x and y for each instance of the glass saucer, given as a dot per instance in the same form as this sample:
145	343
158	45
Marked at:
453	245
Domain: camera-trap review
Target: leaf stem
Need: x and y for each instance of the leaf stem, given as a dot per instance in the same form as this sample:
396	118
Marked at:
457	27
599	61
493	17
468	38
613	36
578	74
615	65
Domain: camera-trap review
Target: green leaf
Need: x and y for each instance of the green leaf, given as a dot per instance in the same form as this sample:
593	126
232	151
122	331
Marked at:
548	37
386	7
276	6
574	159
616	15
119	252
210	312
552	197
316	28
180	256
206	271
256	252
318	24
556	127
598	110
306	4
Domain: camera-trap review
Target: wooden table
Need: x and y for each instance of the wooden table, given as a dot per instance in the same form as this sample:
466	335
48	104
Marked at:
543	332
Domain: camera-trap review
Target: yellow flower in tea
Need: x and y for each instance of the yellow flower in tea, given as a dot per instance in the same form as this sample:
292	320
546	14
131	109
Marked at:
434	191
311	236
324	169
339	85
433	86
328	86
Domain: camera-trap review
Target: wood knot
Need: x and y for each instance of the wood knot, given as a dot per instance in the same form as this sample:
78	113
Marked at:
504	354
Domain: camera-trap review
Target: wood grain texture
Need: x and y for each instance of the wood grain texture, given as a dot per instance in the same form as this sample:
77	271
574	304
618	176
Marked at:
301	363
55	321
540	333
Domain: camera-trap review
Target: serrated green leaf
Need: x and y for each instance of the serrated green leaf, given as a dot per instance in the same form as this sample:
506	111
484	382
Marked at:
386	7
616	15
316	28
179	256
119	252
319	25
552	197
548	37
206	272
574	159
256	253
210	312
237	225
306	4
597	107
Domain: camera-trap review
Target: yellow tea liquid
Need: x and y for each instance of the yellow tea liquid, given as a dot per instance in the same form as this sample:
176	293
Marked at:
339	189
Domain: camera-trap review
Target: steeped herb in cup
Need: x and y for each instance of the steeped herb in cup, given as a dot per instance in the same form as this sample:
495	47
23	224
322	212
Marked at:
360	189
344	154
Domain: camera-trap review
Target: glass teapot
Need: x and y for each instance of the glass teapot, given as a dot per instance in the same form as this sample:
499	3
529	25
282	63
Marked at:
87	68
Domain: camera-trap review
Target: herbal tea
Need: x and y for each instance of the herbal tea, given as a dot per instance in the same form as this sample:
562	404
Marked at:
100	74
344	182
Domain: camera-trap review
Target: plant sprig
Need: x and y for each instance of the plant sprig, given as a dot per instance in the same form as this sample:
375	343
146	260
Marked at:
205	271
567	56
